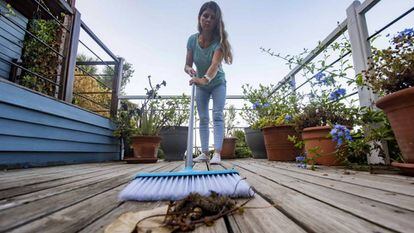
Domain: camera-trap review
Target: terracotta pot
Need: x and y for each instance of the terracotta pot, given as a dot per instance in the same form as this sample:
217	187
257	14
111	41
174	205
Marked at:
318	137
399	107
278	147
145	149
228	148
255	141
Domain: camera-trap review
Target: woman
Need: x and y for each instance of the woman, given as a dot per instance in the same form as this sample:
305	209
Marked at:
206	49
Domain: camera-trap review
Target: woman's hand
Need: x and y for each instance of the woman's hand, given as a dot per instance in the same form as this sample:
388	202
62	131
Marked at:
198	81
190	71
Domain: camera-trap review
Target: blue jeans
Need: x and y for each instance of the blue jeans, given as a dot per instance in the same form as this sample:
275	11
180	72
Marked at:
218	94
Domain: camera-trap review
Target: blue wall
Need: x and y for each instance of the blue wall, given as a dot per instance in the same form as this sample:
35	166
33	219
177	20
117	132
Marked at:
37	130
11	39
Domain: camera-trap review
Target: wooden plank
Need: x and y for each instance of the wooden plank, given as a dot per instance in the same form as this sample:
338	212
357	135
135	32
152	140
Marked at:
15	196
259	220
263	219
26	115
384	215
314	215
78	216
46	206
25	129
46	171
129	206
375	183
33	178
15	95
12	143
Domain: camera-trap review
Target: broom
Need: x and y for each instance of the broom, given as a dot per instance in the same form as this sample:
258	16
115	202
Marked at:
177	185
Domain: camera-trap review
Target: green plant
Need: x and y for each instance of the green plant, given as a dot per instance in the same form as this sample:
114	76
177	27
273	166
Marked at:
267	108
40	59
175	111
242	150
230	121
372	129
144	118
392	69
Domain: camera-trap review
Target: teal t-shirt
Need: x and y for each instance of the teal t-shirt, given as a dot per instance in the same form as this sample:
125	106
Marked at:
202	59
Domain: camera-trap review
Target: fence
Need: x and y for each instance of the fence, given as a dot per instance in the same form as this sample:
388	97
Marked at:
24	39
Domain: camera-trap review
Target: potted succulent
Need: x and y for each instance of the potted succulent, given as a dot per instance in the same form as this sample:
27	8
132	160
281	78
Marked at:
174	132
390	74
229	141
250	113
145	126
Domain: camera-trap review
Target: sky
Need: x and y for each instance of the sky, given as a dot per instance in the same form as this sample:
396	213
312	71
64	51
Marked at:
152	35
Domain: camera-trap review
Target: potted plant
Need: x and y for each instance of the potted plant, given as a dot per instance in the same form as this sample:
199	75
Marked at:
276	122
250	113
390	74
323	123
229	141
174	132
145	126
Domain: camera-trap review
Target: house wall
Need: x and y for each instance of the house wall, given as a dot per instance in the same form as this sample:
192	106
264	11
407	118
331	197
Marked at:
11	39
37	130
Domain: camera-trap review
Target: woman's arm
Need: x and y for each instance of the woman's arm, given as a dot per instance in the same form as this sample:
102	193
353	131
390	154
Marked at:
188	68
217	58
212	70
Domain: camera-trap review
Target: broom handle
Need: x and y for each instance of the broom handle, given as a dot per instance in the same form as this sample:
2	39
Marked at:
189	160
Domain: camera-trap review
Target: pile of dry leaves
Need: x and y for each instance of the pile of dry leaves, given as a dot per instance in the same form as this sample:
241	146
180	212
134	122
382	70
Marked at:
179	216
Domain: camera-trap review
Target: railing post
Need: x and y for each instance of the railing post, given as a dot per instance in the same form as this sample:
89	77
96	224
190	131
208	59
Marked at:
71	63
361	51
116	86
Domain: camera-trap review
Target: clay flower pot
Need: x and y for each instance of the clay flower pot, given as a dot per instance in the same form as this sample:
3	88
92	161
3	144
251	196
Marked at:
318	137
399	107
145	149
229	147
278	147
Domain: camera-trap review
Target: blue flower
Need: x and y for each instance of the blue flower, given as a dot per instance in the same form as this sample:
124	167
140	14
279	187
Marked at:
340	134
320	78
288	118
335	95
266	105
292	83
256	105
407	32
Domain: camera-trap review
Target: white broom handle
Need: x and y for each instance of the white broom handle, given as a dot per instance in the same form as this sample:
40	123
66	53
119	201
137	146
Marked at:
189	160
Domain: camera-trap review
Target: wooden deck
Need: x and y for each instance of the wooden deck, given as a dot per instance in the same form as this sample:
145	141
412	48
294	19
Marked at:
83	198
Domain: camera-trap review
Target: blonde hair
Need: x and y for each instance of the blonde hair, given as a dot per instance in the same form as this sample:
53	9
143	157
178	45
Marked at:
219	32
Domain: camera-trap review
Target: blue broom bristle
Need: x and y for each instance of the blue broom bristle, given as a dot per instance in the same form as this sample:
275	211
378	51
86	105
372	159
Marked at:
178	185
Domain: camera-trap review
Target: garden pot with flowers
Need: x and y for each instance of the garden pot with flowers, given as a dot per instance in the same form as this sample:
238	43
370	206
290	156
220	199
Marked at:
276	123
390	74
325	128
146	123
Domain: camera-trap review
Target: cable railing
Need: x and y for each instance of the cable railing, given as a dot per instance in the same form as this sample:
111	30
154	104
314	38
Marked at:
52	66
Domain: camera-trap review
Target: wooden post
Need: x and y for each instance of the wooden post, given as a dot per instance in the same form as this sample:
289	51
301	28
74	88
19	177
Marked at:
116	86
71	58
361	51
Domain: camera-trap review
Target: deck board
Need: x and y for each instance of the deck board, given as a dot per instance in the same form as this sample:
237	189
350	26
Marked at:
83	198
